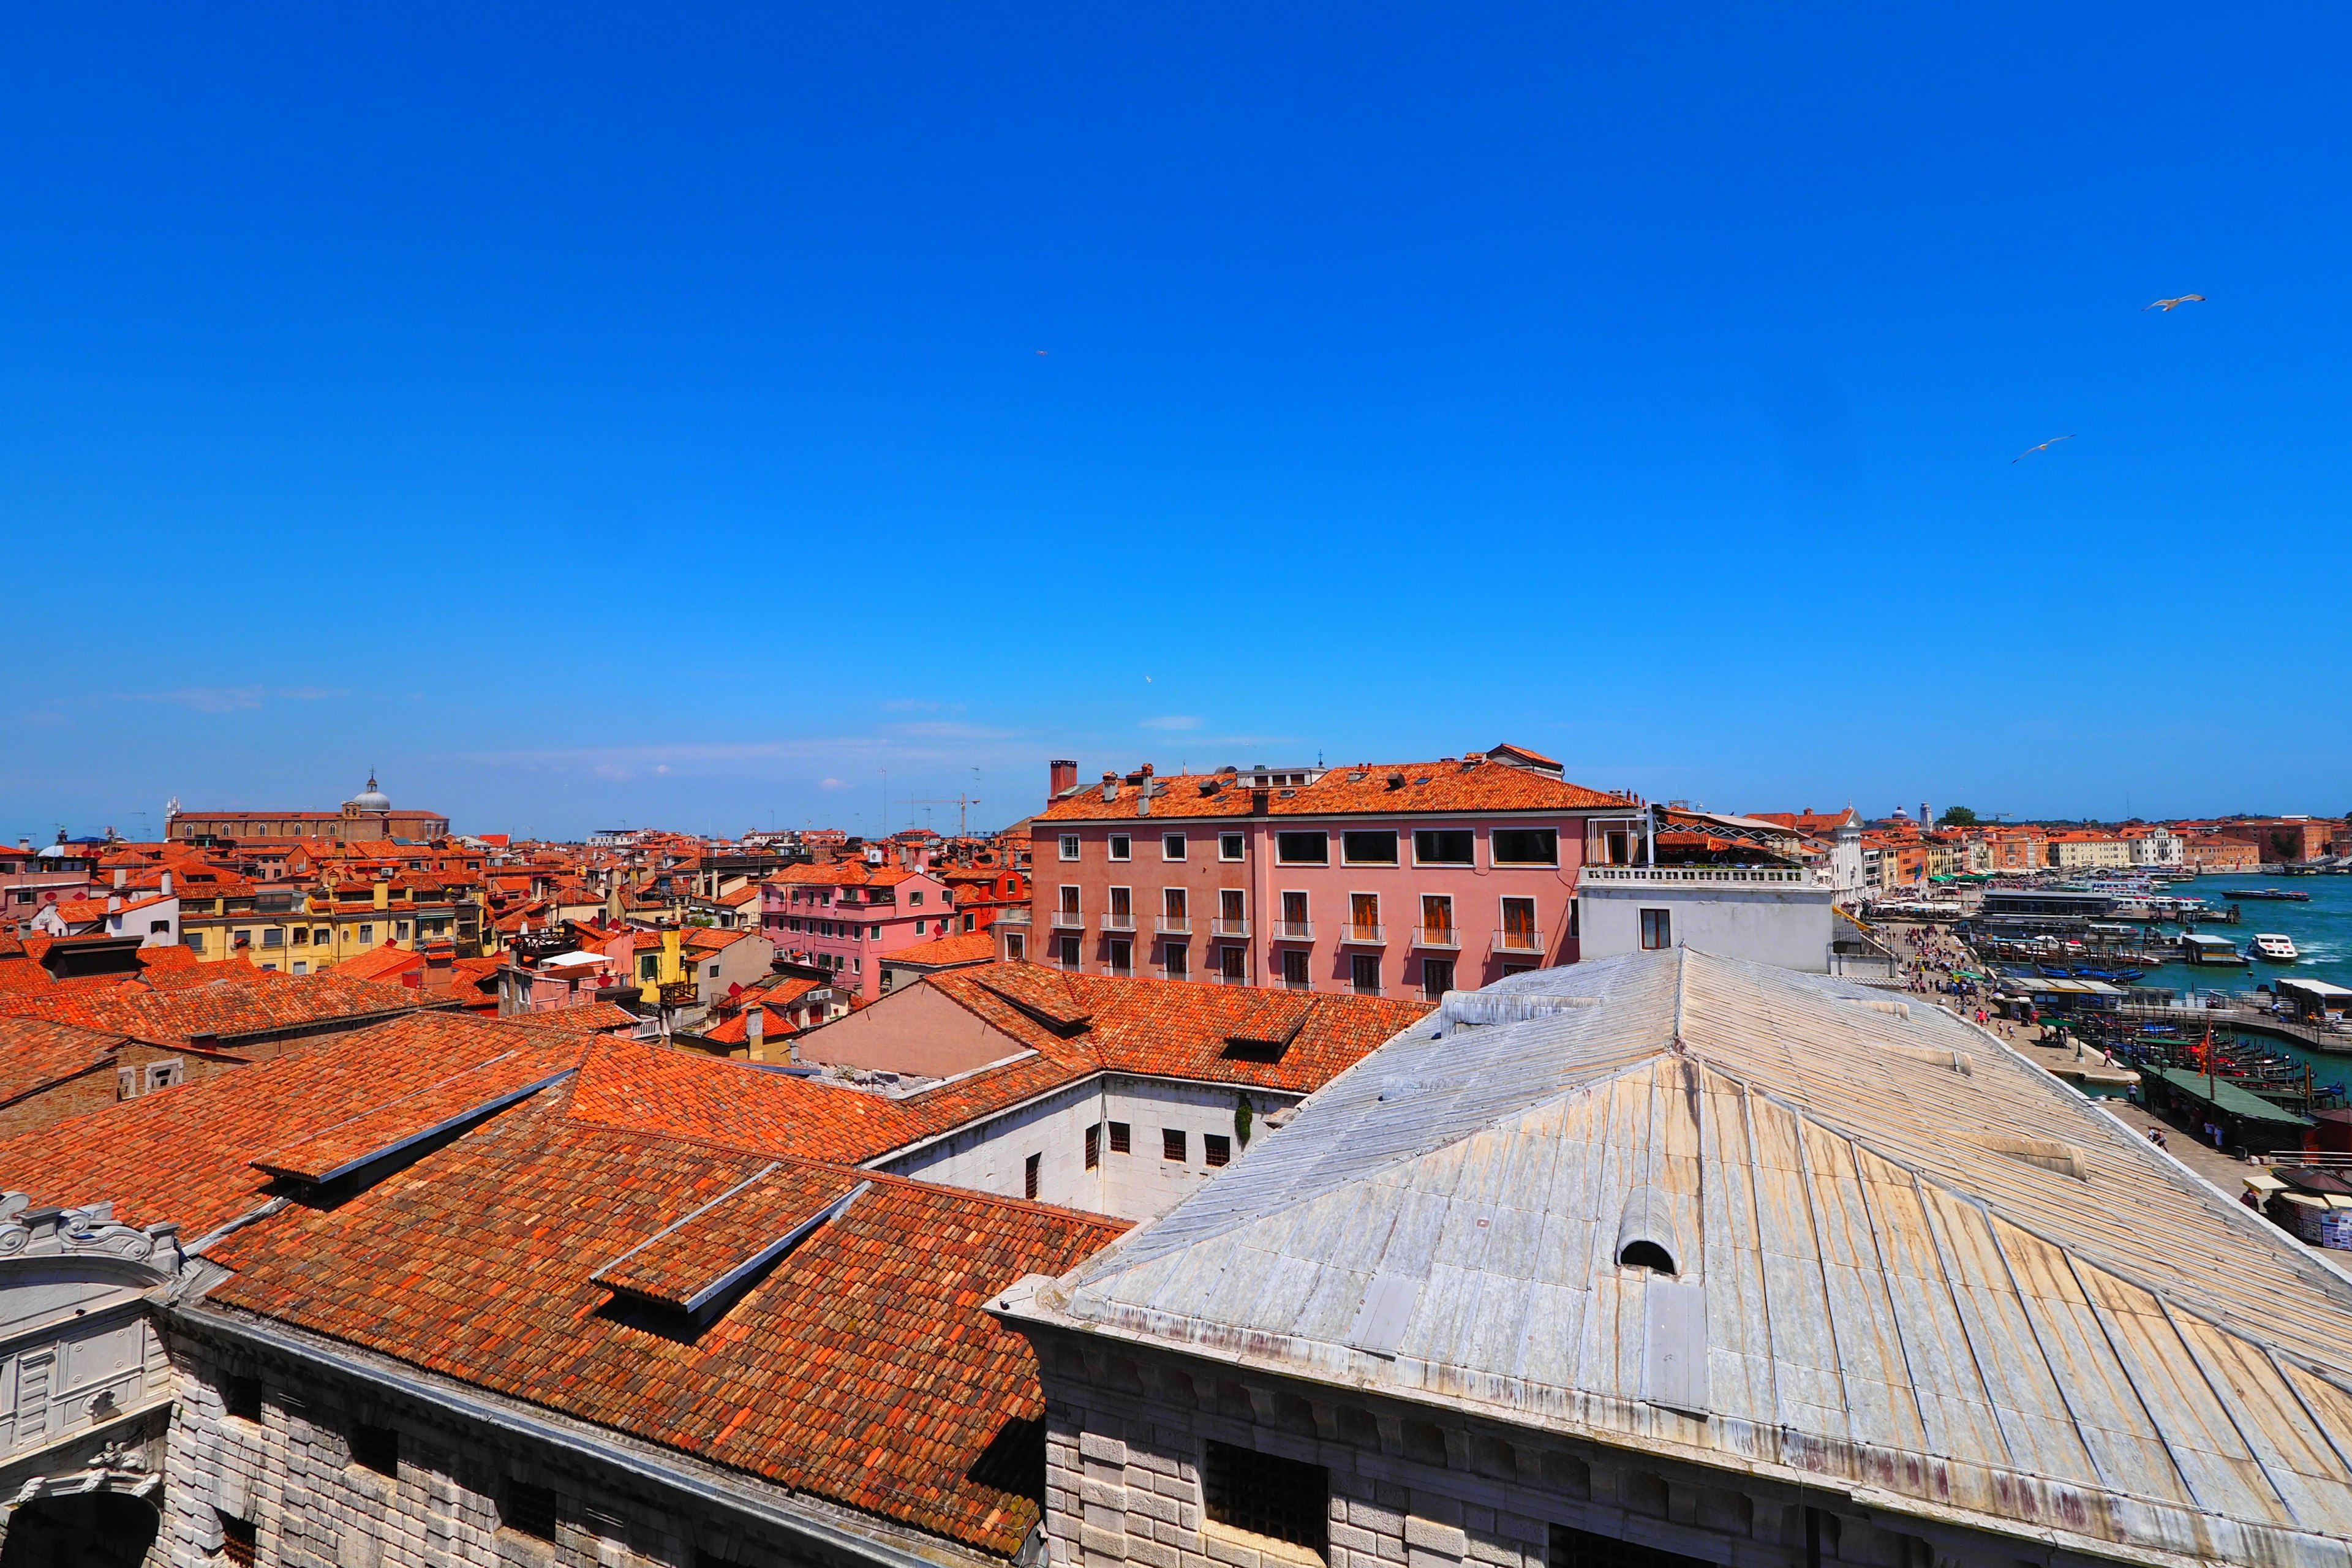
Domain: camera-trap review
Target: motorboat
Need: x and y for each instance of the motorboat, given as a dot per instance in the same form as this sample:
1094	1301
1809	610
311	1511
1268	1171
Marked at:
2273	948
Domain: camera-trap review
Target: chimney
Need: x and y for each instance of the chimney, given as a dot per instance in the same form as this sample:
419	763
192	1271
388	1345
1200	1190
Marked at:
1110	787
1062	777
122	876
167	884
113	901
755	1031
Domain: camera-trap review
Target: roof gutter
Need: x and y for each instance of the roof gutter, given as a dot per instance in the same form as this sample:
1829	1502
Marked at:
592	1446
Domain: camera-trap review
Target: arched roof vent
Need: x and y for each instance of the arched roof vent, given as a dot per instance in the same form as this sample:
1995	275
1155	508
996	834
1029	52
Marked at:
1646	1236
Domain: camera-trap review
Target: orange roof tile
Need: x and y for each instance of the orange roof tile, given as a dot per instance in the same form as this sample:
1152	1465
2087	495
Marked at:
35	1054
859	1368
215	1001
964	947
1469	785
581	1019
184	1154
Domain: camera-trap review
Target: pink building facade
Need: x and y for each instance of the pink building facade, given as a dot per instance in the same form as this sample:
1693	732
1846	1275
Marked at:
1404	879
31	882
848	917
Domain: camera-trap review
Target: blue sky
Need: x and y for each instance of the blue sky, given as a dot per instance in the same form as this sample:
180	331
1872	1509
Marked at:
588	415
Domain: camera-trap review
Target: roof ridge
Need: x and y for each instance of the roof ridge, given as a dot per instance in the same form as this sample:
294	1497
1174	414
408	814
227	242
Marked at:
1095	1268
1992	1210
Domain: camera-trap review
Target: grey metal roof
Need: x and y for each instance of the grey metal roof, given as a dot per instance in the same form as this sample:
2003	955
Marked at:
1904	1256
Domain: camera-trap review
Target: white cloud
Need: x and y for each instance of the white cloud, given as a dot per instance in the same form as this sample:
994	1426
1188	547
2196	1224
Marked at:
1172	721
832	783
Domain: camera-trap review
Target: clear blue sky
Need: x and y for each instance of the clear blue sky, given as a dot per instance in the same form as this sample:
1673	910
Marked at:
586	415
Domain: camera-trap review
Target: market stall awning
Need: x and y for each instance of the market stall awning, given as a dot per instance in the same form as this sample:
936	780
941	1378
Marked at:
2225	1097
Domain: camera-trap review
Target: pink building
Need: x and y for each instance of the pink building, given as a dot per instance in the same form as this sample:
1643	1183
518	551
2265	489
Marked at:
849	916
1394	879
30	882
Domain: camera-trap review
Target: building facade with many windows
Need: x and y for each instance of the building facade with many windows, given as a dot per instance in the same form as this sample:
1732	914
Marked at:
1410	879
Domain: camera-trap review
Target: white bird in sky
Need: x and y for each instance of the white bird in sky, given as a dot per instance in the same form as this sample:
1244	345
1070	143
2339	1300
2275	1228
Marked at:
2044	447
2169	306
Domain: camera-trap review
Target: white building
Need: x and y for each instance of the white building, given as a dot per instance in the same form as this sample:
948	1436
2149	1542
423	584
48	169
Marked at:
2156	847
1779	915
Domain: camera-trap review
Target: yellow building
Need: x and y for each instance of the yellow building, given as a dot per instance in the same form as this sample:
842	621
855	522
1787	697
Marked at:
299	932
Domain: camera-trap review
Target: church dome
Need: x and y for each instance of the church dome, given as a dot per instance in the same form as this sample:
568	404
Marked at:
370	798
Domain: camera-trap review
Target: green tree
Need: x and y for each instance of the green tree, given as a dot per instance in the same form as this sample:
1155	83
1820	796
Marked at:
1242	1117
1958	816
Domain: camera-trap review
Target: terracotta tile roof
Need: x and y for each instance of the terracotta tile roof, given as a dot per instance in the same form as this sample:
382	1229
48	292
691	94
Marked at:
681	1266
158	961
681	1094
840	874
781	990
964	947
859	1368
737	1030
36	1053
225	1007
376	965
581	1019
183	1154
1082	1025
1468	784
474	1089
76	910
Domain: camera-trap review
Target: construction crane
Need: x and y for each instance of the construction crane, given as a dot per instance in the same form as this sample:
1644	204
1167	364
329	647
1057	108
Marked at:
962	803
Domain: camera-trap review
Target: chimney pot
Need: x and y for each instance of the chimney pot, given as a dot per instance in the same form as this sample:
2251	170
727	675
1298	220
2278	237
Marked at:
121	877
1110	787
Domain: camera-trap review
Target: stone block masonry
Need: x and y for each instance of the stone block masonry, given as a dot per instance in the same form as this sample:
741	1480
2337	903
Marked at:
1405	1486
286	1446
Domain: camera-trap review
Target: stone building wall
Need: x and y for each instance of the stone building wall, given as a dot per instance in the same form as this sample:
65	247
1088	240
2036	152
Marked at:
1413	1486
296	1477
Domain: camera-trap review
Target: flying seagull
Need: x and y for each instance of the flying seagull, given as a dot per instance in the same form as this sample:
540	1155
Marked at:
2044	447
2168	306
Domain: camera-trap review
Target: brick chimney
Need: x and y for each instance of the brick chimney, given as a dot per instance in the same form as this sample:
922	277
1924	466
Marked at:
1062	776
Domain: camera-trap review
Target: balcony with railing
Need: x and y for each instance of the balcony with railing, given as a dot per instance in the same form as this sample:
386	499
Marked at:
1069	919
1174	925
1678	875
1293	930
1436	936
1117	920
1520	941
1229	927
1356	935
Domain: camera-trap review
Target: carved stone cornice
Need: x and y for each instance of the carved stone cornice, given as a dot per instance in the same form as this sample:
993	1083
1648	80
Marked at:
92	1231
